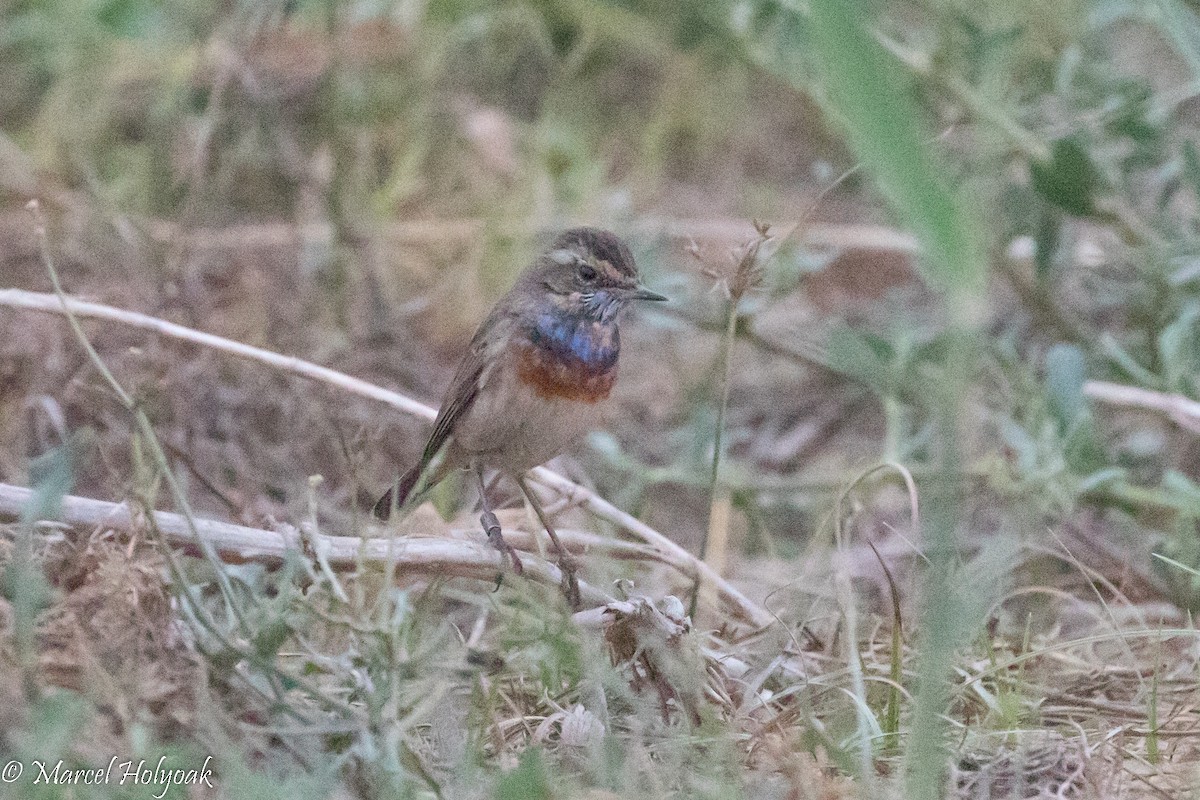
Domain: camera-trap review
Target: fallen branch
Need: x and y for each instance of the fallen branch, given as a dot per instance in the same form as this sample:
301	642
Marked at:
679	558
856	236
1183	411
38	301
439	557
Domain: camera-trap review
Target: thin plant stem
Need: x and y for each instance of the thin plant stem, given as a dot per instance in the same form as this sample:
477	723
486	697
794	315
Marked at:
745	276
147	432
143	426
720	497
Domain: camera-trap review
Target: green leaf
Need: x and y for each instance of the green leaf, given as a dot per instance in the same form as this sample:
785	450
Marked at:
25	586
52	477
57	720
1180	485
861	356
1047	238
133	19
529	781
978	583
1191	167
935	351
1069	180
1066	372
883	126
1179	348
268	640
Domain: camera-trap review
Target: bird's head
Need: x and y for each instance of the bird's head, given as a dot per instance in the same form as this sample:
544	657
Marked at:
590	272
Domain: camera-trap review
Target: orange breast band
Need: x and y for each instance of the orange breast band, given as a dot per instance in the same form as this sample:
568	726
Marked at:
551	376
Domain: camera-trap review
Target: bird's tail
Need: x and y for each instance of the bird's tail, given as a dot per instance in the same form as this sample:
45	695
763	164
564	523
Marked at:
397	495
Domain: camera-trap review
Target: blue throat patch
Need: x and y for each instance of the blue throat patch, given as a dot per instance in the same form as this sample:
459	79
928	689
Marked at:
578	338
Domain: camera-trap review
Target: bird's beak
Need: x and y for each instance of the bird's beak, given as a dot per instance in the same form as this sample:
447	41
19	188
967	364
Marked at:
641	293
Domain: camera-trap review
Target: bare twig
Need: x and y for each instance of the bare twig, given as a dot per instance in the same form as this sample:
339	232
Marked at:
38	301
680	559
440	557
676	556
1183	411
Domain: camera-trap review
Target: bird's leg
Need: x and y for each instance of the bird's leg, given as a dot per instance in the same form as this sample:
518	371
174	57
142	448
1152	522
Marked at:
566	563
491	525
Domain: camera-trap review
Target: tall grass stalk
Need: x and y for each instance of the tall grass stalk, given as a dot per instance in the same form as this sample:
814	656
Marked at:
193	606
716	537
746	275
854	664
884	129
146	430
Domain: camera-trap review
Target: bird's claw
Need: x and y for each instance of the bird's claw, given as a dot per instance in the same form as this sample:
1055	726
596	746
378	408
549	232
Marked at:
570	584
566	563
491	526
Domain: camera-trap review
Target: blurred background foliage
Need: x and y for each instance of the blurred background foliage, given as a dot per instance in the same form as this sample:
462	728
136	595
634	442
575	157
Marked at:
355	182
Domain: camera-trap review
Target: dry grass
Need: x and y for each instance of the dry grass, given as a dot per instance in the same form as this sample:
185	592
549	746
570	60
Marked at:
1053	700
1060	712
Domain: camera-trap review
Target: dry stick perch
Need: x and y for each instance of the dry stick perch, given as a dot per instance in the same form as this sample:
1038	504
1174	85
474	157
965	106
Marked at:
1183	411
440	555
678	557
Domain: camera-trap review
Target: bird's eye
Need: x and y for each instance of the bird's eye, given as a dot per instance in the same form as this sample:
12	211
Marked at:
587	272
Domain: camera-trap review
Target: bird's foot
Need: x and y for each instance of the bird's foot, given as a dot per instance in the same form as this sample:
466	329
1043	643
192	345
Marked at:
570	584
491	526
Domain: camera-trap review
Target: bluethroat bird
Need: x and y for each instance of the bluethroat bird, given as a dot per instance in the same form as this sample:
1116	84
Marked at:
534	378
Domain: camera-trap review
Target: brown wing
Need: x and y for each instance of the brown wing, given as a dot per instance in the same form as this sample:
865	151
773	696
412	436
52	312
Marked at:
461	394
470	377
472	374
